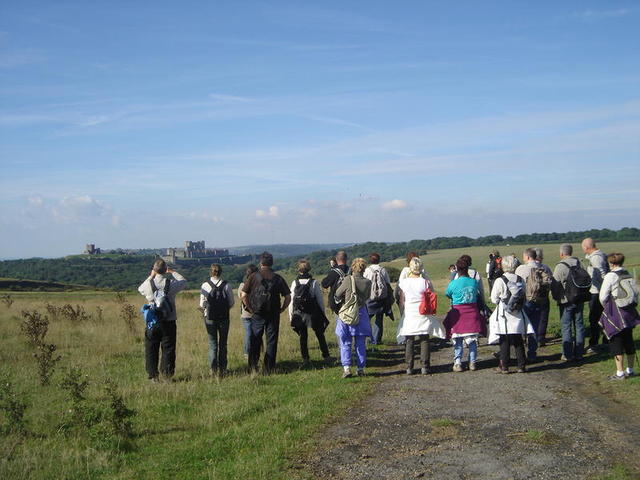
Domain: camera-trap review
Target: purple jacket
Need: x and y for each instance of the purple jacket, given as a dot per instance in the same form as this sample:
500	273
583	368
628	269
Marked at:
615	319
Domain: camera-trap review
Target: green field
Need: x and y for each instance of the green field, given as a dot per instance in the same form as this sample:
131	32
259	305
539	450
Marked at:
242	426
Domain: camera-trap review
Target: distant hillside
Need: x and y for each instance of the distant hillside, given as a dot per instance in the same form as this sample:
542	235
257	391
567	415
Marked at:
14	284
283	250
126	272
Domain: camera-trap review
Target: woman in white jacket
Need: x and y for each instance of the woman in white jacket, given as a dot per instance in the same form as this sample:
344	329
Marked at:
507	328
412	288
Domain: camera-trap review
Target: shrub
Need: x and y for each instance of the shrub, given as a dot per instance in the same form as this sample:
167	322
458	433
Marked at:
46	361
34	326
129	314
7	300
53	311
82	415
75	315
12	405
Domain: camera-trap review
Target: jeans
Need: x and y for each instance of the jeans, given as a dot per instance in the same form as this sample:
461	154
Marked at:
345	350
532	310
218	331
269	325
595	311
458	346
246	323
304	342
163	334
570	319
377	327
425	352
544	321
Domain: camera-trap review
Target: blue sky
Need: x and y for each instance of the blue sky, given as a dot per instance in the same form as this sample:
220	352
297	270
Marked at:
144	124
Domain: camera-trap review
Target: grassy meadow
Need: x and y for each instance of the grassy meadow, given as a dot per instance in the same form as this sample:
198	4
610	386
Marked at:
242	426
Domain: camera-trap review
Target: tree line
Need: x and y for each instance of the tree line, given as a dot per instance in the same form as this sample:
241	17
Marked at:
126	272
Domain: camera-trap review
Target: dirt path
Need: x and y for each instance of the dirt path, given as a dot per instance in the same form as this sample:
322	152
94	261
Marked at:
477	425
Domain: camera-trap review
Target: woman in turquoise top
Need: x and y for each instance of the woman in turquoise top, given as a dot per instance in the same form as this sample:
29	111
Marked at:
463	322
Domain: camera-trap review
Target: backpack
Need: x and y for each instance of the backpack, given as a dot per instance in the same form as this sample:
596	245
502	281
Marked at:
161	303
303	298
260	295
337	302
217	302
578	284
626	290
378	286
515	294
350	312
537	285
429	303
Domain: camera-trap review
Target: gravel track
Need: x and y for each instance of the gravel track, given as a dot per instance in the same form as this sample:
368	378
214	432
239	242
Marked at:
544	424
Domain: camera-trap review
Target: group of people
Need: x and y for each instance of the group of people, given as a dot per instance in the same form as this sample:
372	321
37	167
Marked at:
360	295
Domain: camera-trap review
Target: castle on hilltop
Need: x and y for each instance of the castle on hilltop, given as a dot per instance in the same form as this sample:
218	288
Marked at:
196	252
90	249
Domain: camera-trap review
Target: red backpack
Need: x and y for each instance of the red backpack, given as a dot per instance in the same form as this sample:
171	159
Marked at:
429	303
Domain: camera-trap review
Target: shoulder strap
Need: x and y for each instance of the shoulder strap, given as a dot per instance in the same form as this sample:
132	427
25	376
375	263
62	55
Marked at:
154	288
166	286
505	280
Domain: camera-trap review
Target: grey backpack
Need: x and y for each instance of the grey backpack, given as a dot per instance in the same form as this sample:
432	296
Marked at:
625	292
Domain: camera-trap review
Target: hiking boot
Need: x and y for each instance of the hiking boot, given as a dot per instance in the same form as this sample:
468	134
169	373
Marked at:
591	350
425	371
501	370
360	373
521	370
346	374
629	374
409	371
472	366
616	377
566	359
457	367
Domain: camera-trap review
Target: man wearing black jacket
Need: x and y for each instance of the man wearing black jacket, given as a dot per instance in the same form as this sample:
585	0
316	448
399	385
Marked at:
333	279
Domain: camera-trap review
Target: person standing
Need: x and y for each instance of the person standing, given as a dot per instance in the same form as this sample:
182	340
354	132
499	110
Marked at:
508	323
307	310
494	268
377	305
543	301
160	288
538	284
245	315
598	268
571	319
414	324
463	322
338	270
360	330
619	298
216	299
261	295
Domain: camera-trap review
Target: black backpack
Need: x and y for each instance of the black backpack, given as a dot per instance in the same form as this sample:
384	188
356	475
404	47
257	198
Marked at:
578	284
217	302
303	299
161	302
260	297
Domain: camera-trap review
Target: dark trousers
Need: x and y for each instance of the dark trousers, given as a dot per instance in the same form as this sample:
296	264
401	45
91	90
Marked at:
304	342
377	327
270	326
595	312
163	334
425	351
544	321
218	331
506	341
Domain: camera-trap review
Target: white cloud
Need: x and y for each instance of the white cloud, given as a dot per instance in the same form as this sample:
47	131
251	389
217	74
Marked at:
35	201
603	14
229	98
273	212
206	216
394	205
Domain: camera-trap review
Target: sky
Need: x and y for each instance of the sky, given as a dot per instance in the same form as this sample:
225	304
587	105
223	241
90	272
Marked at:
145	124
